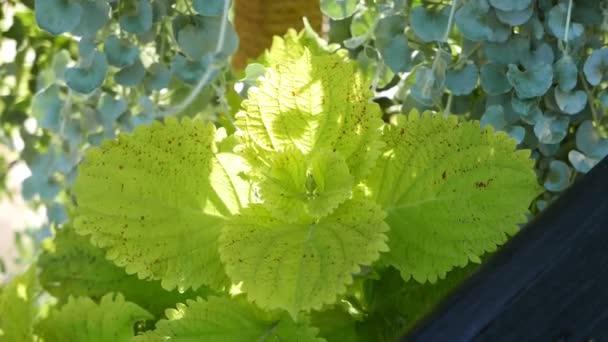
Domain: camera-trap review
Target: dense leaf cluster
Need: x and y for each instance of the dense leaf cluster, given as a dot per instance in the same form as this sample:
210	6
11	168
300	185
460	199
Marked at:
532	68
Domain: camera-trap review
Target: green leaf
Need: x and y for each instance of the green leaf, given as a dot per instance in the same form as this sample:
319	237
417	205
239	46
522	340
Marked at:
462	81
297	185
86	78
314	103
430	25
509	52
71	266
494	79
227	320
82	319
596	66
395	306
511	5
281	264
339	9
18	307
570	102
161	190
452	192
137	16
335	324
57	16
533	82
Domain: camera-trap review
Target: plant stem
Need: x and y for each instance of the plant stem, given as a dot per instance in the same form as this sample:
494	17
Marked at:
567	30
206	77
448	29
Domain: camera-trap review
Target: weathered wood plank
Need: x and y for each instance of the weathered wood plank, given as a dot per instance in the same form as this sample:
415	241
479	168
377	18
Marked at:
549	283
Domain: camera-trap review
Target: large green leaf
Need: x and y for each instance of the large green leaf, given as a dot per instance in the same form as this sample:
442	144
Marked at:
297	185
226	320
312	104
18	307
82	319
452	192
71	266
156	200
302	265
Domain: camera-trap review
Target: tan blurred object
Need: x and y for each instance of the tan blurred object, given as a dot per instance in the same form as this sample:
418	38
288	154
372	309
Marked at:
257	21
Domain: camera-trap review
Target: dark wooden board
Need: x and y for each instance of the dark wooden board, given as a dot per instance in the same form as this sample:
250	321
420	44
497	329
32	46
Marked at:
549	283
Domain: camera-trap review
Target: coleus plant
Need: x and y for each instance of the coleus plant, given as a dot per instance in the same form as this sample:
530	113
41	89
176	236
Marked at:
301	225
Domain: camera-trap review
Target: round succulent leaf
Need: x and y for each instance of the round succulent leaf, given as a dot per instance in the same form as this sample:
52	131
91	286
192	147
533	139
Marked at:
299	186
57	16
523	106
388	28
131	75
462	81
221	319
86	49
511	5
81	319
137	17
494	79
210	8
425	88
158	77
551	128
532	116
396	54
596	66
533	82
430	25
95	15
186	70
281	264
515	17
339	9
119	52
590	142
566	73
198	36
110	109
452	192
477	23
540	54
85	79
509	52
312	103
558	176
581	162
144	196
46	108
557	24
494	116
571	102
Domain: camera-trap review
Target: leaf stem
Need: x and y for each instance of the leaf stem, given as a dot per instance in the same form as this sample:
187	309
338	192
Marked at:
448	29
206	77
567	30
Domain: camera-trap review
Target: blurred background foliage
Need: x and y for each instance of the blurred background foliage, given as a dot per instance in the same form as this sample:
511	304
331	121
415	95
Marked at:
76	72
